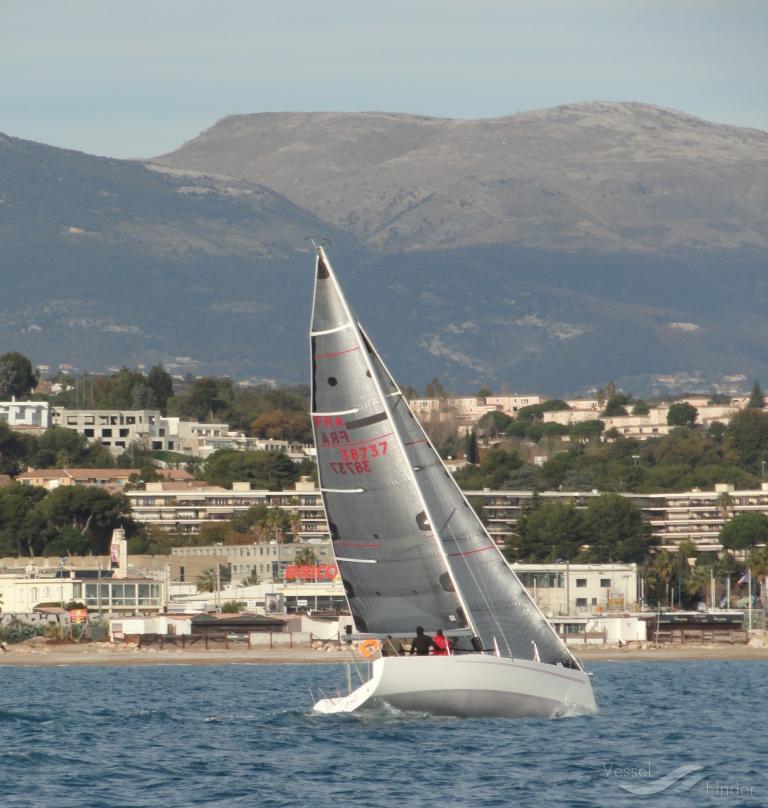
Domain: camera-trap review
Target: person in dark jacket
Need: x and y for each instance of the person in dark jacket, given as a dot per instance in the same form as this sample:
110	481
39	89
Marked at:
421	643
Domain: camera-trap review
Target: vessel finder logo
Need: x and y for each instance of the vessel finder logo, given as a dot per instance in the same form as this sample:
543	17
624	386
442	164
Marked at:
639	780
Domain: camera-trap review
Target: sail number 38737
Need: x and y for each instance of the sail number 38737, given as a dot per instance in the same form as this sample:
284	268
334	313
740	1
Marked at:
358	460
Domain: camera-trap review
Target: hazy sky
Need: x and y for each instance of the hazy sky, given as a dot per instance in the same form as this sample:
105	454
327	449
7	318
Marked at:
139	77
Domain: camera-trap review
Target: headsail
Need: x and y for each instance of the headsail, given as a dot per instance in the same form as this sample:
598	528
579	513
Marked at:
394	571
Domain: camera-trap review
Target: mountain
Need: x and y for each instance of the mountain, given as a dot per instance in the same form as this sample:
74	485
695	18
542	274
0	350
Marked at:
109	262
600	177
552	251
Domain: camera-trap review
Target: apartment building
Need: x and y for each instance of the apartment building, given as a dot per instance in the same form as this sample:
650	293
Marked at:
696	516
117	429
26	416
185	509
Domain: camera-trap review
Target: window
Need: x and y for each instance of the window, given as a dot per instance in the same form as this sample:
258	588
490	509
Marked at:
581	602
124	432
106	433
88	433
581	583
605	583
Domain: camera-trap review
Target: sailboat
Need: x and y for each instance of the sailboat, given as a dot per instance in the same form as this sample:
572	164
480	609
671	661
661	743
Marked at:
412	552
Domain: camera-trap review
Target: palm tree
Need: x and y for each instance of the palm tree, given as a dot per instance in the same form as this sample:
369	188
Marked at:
305	555
725	505
665	566
251	580
207	580
758	564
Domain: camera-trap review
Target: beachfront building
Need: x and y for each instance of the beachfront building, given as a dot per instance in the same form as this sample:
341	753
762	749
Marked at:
265	560
675	517
580	589
23	591
185	509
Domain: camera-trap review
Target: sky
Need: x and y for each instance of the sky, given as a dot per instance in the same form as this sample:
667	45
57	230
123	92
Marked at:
137	78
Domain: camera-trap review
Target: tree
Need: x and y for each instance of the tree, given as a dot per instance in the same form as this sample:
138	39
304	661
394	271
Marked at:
14	449
758	564
268	470
494	423
747	434
682	414
617	405
745	530
473	455
17	378
161	385
535	412
59	447
434	390
484	392
91	511
615	530
664	566
756	398
551	531
251	579
283	425
22	530
207	580
305	556
640	408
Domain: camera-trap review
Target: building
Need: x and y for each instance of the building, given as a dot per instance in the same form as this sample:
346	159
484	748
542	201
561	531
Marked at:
184	509
112	480
32	417
675	517
96	589
580	589
117	429
269	561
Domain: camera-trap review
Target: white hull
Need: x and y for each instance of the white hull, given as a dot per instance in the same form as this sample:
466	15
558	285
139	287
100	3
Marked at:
470	686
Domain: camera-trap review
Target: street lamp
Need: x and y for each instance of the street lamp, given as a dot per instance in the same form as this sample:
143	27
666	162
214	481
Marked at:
635	459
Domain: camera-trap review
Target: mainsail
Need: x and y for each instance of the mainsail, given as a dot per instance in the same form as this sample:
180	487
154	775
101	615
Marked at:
410	549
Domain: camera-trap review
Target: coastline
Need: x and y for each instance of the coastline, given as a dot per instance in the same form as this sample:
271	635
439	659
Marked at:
104	654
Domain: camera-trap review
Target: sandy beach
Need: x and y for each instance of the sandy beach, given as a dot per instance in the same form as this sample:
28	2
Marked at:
43	655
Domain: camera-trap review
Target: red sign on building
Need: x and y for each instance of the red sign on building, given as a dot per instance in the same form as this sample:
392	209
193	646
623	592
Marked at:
311	572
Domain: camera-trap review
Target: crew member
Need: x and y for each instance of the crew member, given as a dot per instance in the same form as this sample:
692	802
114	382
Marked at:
422	643
441	644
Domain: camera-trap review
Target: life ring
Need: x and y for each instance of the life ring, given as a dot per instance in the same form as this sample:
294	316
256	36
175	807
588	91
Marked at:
368	648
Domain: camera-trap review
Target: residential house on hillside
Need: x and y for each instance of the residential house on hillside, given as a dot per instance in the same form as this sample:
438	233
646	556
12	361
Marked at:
110	479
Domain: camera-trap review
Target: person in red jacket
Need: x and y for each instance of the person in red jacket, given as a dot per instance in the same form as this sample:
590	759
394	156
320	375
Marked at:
441	644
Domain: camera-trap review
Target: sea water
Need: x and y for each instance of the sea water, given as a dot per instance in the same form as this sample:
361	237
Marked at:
667	733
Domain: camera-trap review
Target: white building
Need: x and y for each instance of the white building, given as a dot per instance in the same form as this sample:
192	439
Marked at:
185	509
580	589
26	416
117	429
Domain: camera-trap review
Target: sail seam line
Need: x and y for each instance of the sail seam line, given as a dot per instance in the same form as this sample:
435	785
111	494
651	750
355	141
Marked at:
338	412
472	552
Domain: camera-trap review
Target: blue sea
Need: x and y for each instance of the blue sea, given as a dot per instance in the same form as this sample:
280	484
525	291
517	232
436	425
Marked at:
683	733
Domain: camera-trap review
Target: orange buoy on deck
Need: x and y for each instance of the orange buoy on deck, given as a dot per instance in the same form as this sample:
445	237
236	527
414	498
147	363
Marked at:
368	648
